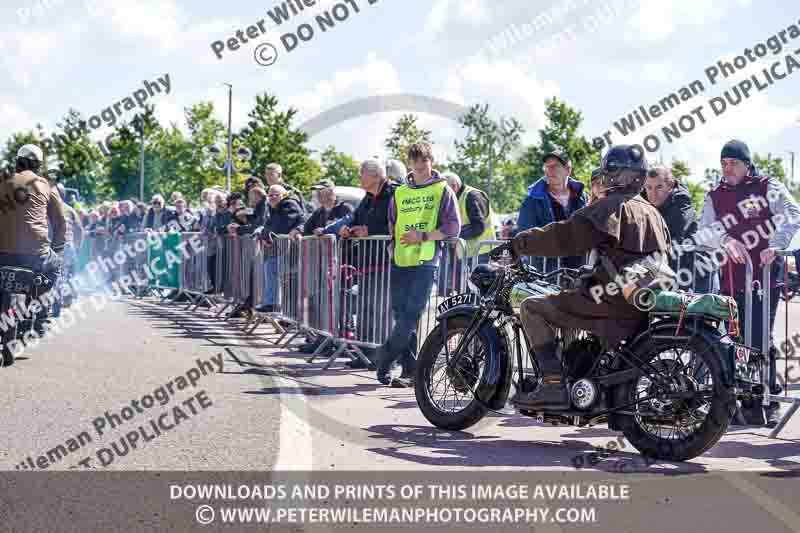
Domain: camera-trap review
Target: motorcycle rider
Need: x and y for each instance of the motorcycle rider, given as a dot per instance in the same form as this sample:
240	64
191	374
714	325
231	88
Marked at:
626	231
29	209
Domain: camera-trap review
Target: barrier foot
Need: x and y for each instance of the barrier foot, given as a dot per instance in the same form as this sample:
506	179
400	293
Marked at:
293	337
258	321
334	356
360	355
222	310
788	415
320	349
192	300
235	308
278	328
284	334
202	300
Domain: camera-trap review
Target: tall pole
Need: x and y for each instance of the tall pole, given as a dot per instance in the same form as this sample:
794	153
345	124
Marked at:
229	160
141	160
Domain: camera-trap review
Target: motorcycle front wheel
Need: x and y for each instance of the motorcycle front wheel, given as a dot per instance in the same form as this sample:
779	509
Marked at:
444	391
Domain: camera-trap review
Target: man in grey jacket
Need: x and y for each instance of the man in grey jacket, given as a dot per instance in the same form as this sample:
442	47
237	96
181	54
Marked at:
750	215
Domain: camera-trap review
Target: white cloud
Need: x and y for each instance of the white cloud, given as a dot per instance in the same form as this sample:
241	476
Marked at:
375	76
508	89
757	120
154	25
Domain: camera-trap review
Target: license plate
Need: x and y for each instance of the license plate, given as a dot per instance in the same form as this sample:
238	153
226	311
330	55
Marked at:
460	299
16	280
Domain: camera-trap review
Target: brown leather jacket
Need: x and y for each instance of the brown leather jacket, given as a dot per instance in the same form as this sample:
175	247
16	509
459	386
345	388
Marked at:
622	227
28	207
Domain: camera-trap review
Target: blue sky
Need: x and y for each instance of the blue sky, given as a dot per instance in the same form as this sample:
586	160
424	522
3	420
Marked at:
611	57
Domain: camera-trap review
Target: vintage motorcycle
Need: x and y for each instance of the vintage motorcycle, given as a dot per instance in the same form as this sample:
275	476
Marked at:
671	389
16	284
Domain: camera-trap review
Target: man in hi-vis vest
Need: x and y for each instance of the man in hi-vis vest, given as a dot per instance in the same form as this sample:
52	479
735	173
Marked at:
476	226
422	212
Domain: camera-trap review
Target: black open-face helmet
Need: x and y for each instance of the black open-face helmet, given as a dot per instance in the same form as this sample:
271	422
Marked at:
624	169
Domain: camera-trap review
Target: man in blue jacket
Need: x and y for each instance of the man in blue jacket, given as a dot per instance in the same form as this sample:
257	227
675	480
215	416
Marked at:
552	199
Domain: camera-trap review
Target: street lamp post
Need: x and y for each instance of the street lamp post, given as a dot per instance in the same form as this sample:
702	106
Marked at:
242	154
229	159
138	123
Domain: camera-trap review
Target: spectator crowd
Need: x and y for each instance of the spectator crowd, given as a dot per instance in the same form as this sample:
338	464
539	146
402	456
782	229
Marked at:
269	206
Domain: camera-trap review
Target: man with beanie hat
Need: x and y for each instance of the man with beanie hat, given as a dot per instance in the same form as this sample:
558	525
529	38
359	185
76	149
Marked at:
753	215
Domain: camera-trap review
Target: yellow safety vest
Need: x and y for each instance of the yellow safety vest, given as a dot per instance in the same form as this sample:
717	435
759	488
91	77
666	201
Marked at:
488	233
416	209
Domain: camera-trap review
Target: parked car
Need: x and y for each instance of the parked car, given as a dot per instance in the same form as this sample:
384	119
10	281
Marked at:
348	195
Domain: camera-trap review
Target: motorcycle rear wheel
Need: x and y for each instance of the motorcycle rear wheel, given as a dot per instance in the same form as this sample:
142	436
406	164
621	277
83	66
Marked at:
701	373
10	333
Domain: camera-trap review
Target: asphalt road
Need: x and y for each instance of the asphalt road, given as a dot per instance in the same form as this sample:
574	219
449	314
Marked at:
271	410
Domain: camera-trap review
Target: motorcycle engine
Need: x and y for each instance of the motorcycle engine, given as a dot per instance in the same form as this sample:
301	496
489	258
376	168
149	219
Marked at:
584	394
580	356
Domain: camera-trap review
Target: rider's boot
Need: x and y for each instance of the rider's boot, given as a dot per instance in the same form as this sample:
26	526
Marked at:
773	414
552	391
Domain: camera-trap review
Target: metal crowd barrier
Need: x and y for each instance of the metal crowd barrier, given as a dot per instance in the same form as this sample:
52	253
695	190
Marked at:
276	284
764	290
319	300
135	266
365	284
286	281
194	271
353	279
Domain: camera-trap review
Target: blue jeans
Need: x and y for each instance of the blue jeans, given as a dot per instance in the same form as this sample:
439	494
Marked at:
410	290
270	280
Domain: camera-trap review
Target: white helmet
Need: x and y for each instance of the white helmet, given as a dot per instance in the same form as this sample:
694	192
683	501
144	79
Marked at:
32	152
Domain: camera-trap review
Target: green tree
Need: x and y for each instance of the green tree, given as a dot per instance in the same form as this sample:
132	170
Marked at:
680	170
483	158
340	167
204	131
15	142
81	159
405	133
561	130
271	137
122	181
771	167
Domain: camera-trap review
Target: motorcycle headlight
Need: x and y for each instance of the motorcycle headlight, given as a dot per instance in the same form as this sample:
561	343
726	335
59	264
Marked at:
482	277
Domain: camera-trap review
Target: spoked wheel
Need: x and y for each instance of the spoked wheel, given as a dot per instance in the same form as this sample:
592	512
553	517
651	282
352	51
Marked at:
444	391
686	416
9	334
